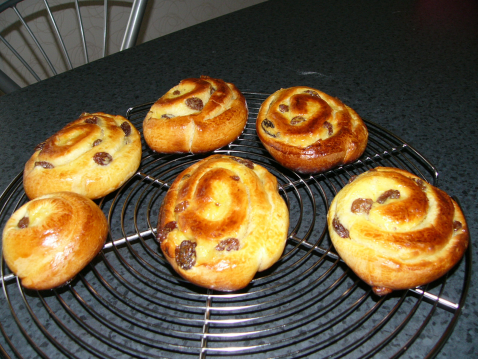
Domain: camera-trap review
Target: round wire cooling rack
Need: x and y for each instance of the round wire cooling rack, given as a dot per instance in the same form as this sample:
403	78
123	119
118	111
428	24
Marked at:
129	303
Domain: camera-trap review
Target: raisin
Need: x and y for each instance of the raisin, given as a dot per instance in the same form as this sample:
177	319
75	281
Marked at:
312	93
229	244
340	229
391	193
176	92
186	255
44	164
195	103
23	223
283	108
168	116
329	127
125	126
457	226
180	207
40	146
247	163
212	90
92	120
236	178
420	184
102	158
362	205
351	179
97	142
267	123
296	120
163	232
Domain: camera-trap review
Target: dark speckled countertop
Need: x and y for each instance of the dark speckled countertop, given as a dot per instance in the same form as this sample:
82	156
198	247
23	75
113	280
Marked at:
409	66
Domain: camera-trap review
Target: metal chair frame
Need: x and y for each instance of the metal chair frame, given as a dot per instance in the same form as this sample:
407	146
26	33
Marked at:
138	8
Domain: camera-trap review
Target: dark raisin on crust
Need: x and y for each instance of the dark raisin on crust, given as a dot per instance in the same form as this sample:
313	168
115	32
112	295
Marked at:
391	193
102	158
212	90
268	124
40	146
283	108
330	129
243	161
236	178
381	291
23	223
340	229
181	206
186	255
457	226
176	92
312	93
362	205
125	126
167	116
296	120
44	164
228	244
194	103
97	142
351	179
163	232
92	120
420	184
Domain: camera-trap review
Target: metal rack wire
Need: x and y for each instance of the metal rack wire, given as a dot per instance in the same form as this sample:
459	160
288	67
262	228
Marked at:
129	303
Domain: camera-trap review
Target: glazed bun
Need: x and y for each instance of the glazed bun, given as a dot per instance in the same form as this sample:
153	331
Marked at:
196	116
222	221
92	156
396	231
309	131
50	239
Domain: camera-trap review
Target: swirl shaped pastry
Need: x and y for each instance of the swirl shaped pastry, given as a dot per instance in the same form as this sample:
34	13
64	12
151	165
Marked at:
396	231
196	116
50	239
309	131
93	156
222	221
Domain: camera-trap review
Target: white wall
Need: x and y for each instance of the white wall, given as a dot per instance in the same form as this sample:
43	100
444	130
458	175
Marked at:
162	17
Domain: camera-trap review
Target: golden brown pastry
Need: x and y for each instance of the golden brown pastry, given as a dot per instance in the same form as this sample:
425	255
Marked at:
92	156
50	239
196	116
221	221
309	131
396	231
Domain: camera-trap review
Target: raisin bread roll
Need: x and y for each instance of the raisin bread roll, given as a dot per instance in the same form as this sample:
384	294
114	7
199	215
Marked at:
221	221
196	116
50	239
395	231
93	156
309	131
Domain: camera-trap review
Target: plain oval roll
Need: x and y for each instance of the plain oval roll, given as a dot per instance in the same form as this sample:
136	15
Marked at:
50	239
222	221
395	230
93	156
196	116
308	131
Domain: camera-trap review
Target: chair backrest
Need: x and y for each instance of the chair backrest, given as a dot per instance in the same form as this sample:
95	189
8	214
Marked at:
40	37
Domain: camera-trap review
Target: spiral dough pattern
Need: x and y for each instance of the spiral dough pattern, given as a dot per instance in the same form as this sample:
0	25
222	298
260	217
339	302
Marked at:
196	116
396	231
50	239
92	156
221	221
308	131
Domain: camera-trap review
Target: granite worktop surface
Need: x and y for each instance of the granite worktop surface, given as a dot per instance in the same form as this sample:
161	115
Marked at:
409	66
